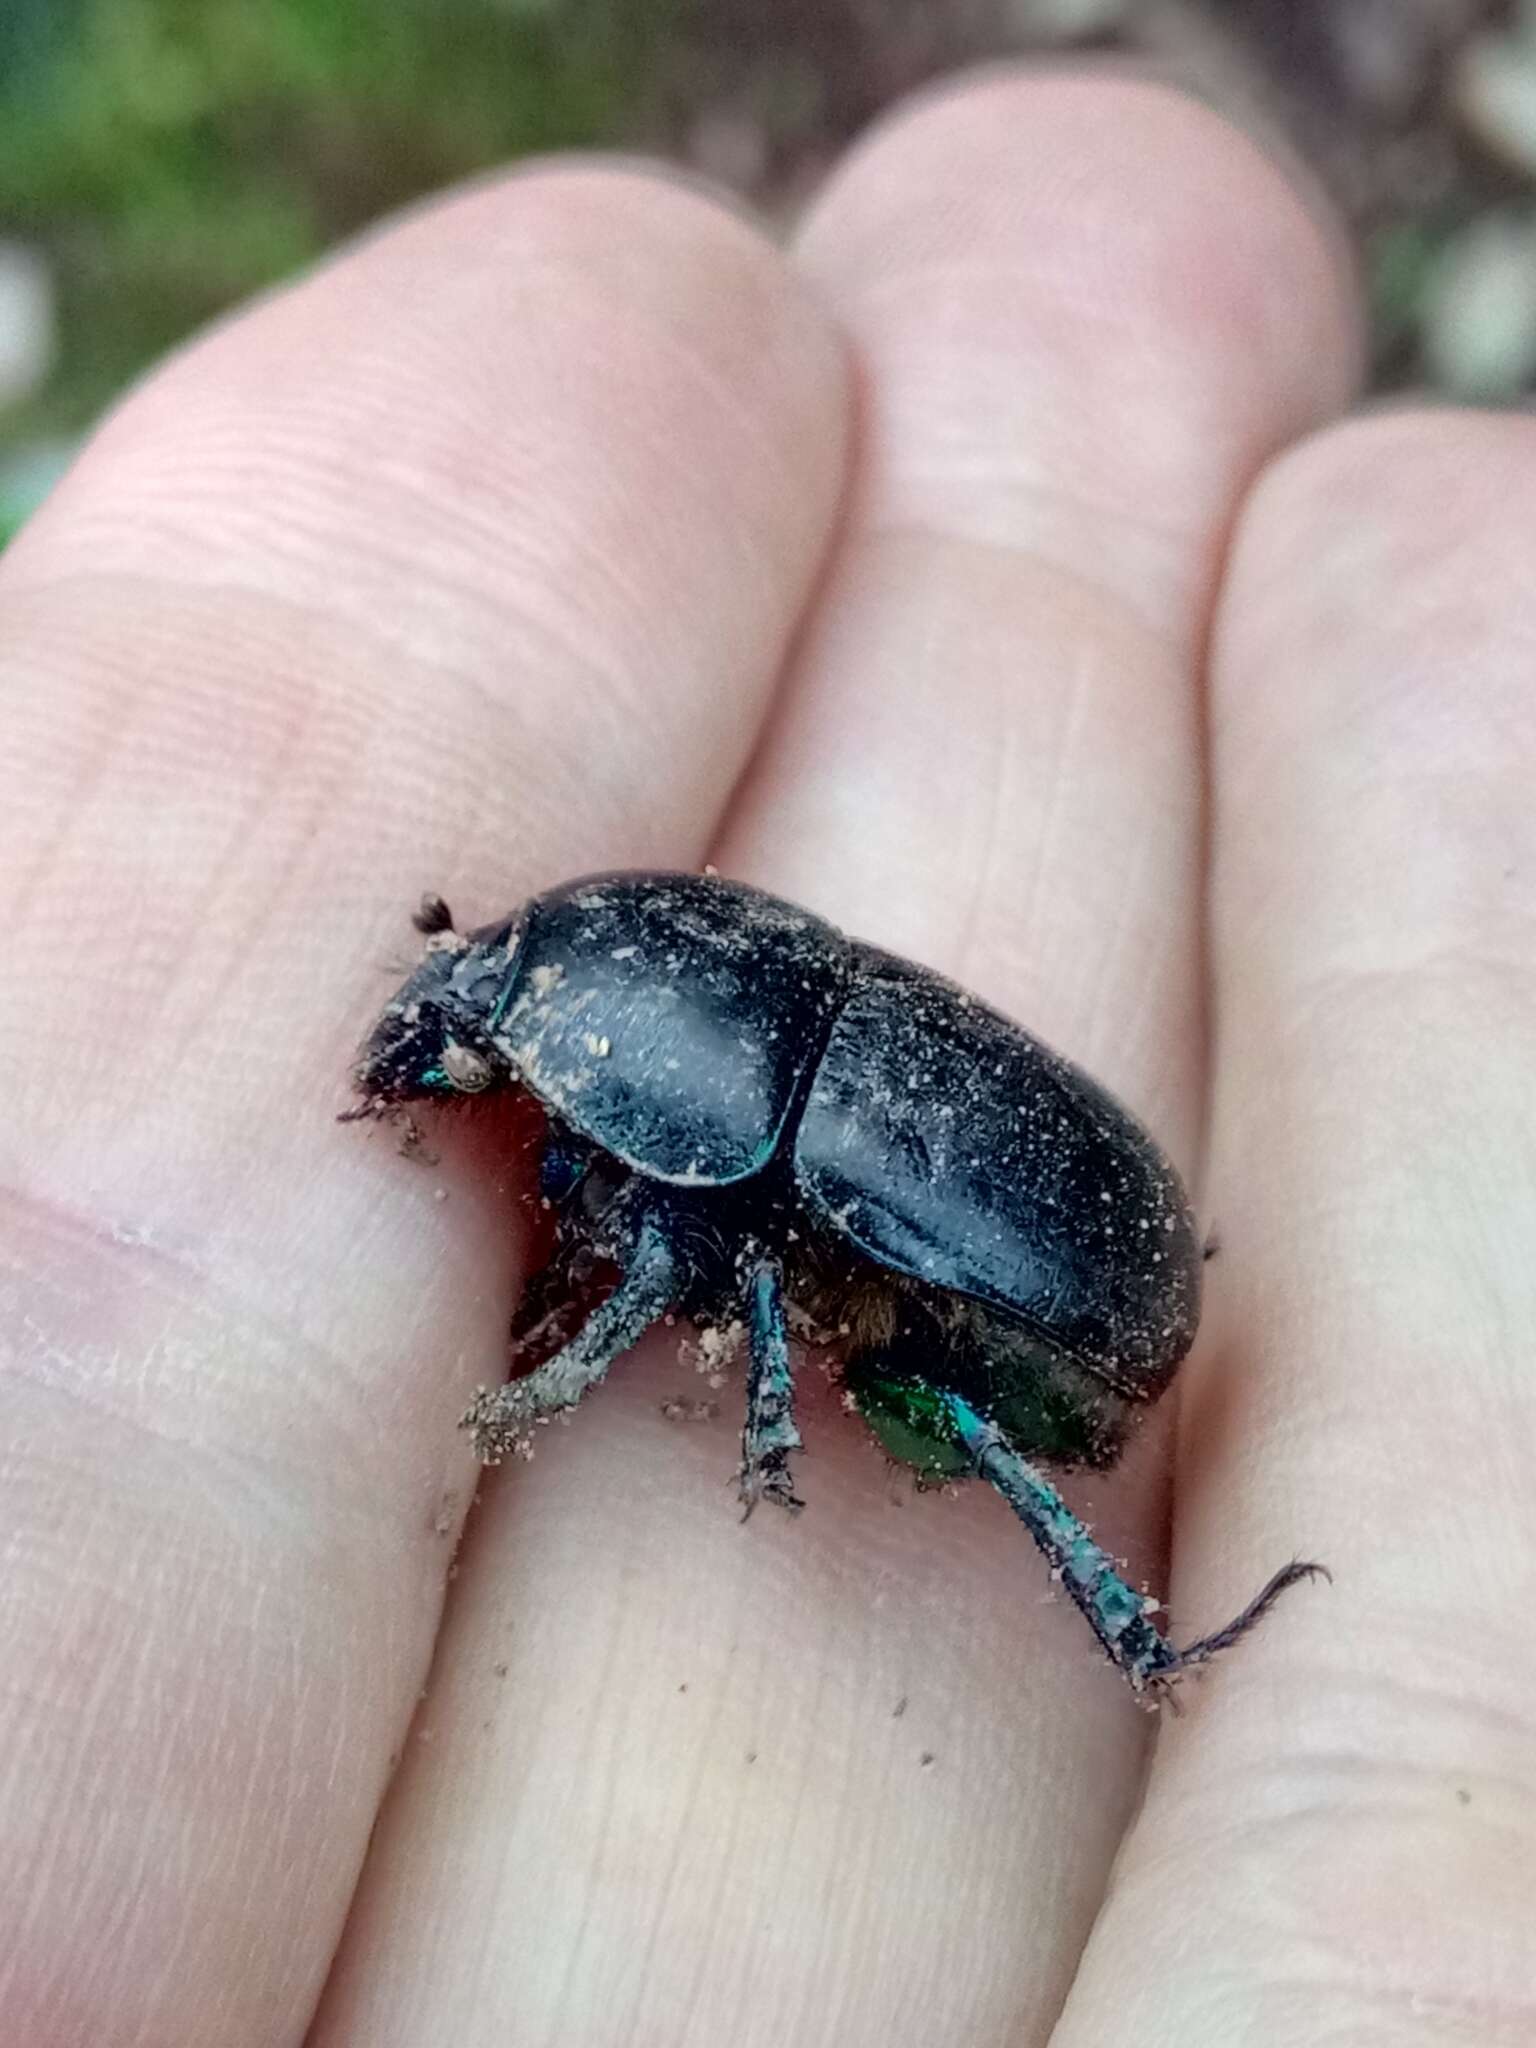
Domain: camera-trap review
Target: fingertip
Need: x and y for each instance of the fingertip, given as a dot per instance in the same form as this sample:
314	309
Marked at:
1125	186
414	393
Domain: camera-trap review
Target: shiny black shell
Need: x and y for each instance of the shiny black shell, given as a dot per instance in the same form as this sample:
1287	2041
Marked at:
702	1031
770	1129
950	1145
674	1020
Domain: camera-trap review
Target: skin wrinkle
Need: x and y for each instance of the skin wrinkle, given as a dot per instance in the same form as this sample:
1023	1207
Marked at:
587	1773
535	521
154	1792
1151	252
1046	549
177	1282
1293	1792
603	678
725	1857
1322	996
25	874
1067	726
1065	478
1294	1998
1334	1954
673	1864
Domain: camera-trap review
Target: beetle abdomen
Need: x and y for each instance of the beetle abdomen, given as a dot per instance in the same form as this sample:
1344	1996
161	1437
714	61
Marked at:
1050	1407
949	1145
671	1018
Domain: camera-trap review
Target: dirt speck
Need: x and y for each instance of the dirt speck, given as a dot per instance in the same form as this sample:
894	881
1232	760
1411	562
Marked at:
690	1411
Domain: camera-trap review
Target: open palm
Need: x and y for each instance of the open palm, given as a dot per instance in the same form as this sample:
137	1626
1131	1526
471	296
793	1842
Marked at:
947	574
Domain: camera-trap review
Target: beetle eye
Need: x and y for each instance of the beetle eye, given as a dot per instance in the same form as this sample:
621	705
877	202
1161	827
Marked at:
467	1070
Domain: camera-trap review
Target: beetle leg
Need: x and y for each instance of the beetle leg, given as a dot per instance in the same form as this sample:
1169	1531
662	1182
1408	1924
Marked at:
770	1433
500	1418
1114	1610
555	1302
557	1298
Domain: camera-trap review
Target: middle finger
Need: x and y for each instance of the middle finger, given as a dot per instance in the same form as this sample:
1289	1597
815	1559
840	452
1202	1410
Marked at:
1085	311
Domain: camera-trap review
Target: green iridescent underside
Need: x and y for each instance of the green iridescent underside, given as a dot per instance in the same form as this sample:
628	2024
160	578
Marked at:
1046	1404
913	1423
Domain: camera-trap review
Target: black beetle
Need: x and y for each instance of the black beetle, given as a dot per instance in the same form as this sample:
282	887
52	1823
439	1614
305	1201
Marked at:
748	1112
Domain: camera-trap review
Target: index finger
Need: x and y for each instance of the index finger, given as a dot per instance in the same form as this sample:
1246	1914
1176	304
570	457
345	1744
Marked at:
468	563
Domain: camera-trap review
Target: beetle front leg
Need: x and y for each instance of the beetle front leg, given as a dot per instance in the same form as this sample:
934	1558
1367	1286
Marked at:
500	1418
770	1433
555	1302
1114	1610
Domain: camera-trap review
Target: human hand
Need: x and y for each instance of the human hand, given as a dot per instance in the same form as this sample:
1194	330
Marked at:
549	531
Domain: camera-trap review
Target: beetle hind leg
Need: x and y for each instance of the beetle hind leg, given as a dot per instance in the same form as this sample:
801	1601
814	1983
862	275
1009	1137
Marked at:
1118	1615
769	1434
500	1419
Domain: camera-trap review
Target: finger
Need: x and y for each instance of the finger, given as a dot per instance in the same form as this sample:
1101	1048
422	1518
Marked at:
993	743
1350	1817
467	563
742	1779
995	732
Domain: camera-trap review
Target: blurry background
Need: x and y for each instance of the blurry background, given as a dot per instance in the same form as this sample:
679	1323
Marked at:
161	159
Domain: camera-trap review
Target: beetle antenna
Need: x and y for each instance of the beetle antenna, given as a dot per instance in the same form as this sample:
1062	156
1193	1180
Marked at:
432	915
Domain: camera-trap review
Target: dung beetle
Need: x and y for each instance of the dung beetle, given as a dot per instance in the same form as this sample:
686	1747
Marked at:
749	1114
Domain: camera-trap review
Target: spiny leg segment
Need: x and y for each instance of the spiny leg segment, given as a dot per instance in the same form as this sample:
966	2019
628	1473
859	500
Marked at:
1114	1610
770	1433
500	1417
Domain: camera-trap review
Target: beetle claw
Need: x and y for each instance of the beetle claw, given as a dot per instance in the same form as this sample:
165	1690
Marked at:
769	1479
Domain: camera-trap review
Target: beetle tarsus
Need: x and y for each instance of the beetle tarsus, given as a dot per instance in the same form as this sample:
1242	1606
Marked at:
769	1434
501	1418
1221	1639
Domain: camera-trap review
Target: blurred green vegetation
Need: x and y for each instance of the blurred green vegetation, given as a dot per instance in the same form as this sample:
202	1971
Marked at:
172	156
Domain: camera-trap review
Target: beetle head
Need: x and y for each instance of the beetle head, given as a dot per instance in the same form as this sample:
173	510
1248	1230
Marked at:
432	1041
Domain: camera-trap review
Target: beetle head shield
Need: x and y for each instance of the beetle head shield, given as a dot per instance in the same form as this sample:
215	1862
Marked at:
433	1037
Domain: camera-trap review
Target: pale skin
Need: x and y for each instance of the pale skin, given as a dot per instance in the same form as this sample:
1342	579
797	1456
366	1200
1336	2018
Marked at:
993	569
